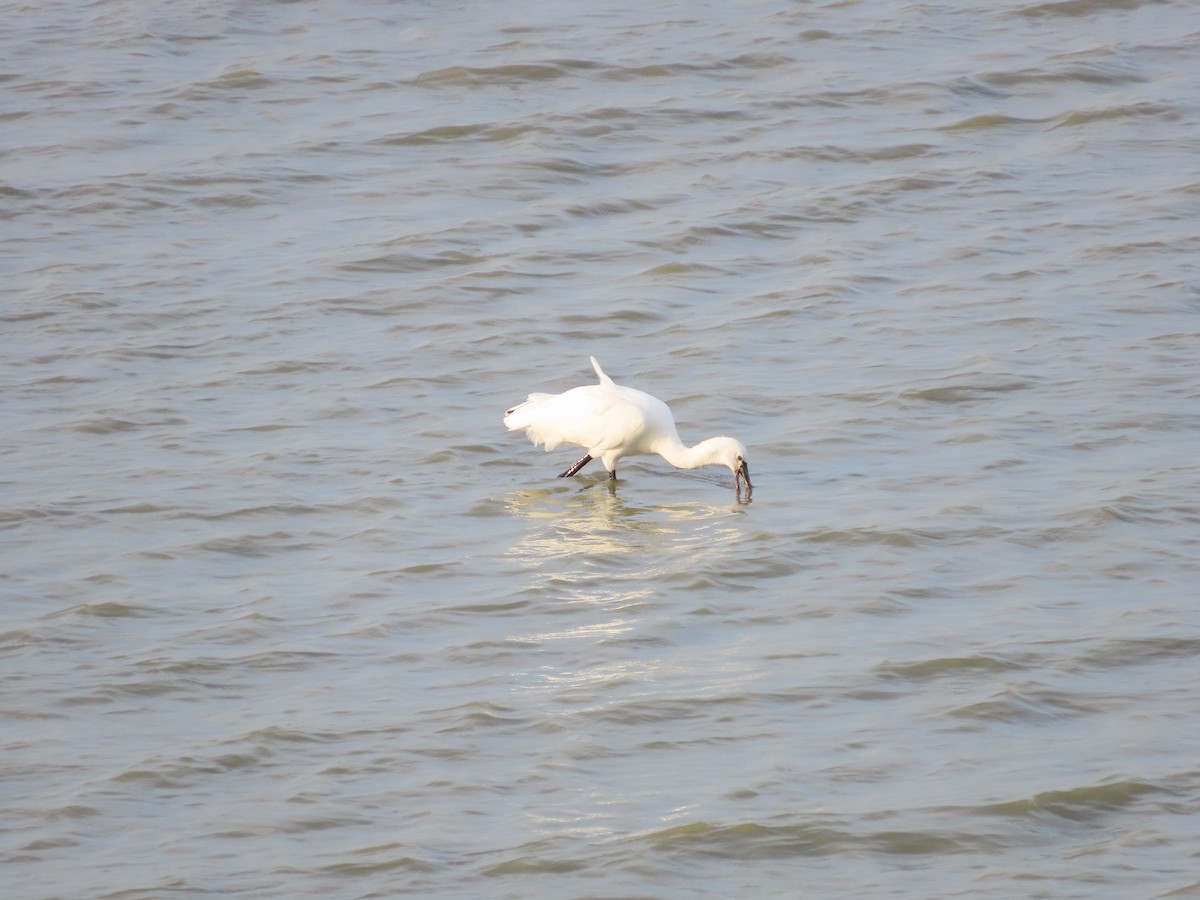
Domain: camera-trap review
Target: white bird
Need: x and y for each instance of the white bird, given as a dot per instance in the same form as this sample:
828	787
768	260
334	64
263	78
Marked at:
612	421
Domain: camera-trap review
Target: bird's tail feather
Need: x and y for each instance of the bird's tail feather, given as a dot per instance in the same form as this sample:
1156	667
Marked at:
604	379
521	415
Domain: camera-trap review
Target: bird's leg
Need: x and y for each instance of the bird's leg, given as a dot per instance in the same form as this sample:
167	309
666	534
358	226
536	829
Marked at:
612	476
575	468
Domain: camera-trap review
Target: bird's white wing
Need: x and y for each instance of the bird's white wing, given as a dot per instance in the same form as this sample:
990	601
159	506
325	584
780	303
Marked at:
590	417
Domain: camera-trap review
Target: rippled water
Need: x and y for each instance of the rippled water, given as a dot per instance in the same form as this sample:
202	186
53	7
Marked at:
286	611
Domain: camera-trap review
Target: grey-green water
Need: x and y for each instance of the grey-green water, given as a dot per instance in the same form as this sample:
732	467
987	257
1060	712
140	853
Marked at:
286	612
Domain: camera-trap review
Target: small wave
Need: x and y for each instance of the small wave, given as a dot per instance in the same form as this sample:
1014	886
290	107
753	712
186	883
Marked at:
962	393
750	840
227	84
1083	804
136	509
471	716
926	669
1093	72
1075	8
1142	651
253	546
1025	706
109	610
533	865
860	536
667	270
449	134
982	122
609	207
105	425
1135	110
470	76
364	867
411	262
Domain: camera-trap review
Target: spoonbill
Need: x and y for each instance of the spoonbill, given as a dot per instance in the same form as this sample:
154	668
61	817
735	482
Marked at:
611	421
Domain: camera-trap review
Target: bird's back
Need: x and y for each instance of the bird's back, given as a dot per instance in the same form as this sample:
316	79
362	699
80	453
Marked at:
607	419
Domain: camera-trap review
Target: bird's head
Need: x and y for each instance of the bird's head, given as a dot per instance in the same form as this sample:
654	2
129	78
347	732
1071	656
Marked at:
732	453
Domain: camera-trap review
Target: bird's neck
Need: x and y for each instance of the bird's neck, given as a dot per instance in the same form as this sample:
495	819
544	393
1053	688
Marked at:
678	454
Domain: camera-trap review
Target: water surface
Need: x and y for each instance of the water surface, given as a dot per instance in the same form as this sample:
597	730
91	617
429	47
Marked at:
287	613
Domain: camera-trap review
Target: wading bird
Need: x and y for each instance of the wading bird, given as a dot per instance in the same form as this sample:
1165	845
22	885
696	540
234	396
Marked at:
611	421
